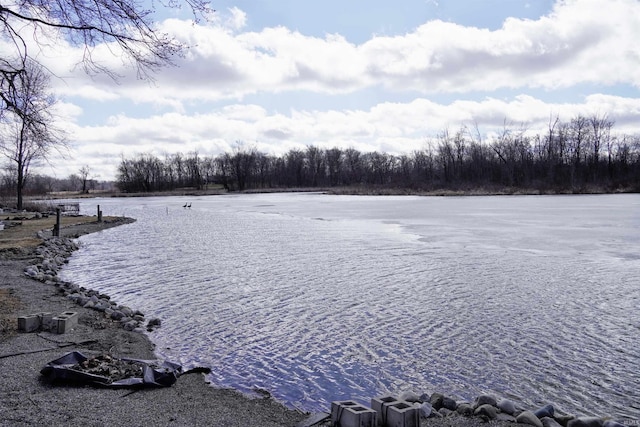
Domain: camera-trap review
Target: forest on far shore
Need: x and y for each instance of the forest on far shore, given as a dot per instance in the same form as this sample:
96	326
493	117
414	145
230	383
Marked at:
577	156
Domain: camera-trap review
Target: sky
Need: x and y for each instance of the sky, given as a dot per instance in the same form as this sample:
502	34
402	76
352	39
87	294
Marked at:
374	75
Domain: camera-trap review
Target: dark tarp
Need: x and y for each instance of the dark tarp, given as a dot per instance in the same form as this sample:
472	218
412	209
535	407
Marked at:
152	373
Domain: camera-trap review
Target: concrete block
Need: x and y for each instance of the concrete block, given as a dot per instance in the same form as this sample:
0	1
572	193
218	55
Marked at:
45	320
64	322
347	413
381	405
403	414
28	323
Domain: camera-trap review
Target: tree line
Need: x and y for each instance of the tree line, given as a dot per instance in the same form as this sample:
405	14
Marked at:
570	156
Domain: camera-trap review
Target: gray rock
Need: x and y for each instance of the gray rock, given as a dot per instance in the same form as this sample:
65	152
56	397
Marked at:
445	412
117	315
100	306
488	411
506	418
545	411
130	326
465	409
154	323
507	406
485	399
436	400
410	396
527	417
425	410
550	422
563	419
449	403
586	422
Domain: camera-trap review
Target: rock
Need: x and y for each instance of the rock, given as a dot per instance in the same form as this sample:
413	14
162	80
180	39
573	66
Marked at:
506	418
410	396
436	400
155	322
527	417
449	403
545	411
130	326
507	406
445	412
586	422
465	409
425	410
563	419
485	399
550	422
487	411
117	315
100	306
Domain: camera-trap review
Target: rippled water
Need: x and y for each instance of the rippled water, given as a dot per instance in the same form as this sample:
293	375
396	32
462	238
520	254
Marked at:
317	298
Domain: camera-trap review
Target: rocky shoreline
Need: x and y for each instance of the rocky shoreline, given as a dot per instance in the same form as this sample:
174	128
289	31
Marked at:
53	254
434	409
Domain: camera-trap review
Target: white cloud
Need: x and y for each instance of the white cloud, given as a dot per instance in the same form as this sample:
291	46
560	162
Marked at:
578	42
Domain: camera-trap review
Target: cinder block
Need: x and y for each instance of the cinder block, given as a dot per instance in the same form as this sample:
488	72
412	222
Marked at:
351	414
64	322
28	323
380	405
402	414
45	320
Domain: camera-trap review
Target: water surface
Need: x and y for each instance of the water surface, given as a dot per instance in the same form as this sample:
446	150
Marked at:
316	298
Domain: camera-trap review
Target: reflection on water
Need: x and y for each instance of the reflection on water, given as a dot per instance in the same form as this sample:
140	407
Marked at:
317	298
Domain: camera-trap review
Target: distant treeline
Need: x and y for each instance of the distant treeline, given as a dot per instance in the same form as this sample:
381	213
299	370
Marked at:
570	156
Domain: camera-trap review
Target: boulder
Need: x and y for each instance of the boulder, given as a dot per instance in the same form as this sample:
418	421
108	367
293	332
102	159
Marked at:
528	417
487	411
507	406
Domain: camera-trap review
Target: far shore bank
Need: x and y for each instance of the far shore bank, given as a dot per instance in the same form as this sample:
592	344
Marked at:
351	191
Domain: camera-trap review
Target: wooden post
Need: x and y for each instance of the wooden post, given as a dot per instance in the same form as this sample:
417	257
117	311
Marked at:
56	228
99	214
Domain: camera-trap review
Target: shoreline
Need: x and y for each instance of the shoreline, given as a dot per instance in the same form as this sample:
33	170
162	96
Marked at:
175	405
26	398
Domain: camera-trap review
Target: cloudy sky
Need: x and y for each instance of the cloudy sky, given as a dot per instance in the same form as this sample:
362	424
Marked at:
369	74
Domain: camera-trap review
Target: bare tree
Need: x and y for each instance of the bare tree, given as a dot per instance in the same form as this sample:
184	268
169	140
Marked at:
28	133
83	174
89	24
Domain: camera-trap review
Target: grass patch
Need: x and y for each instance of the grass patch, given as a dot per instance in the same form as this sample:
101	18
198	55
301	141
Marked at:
21	232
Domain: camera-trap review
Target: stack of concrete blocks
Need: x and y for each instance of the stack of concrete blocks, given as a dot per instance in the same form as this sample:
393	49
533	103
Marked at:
347	413
393	412
47	322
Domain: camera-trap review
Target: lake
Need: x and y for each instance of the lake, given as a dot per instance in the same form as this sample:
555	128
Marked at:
317	298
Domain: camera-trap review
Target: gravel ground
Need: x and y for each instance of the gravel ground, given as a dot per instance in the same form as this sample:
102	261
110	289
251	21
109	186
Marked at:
26	398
